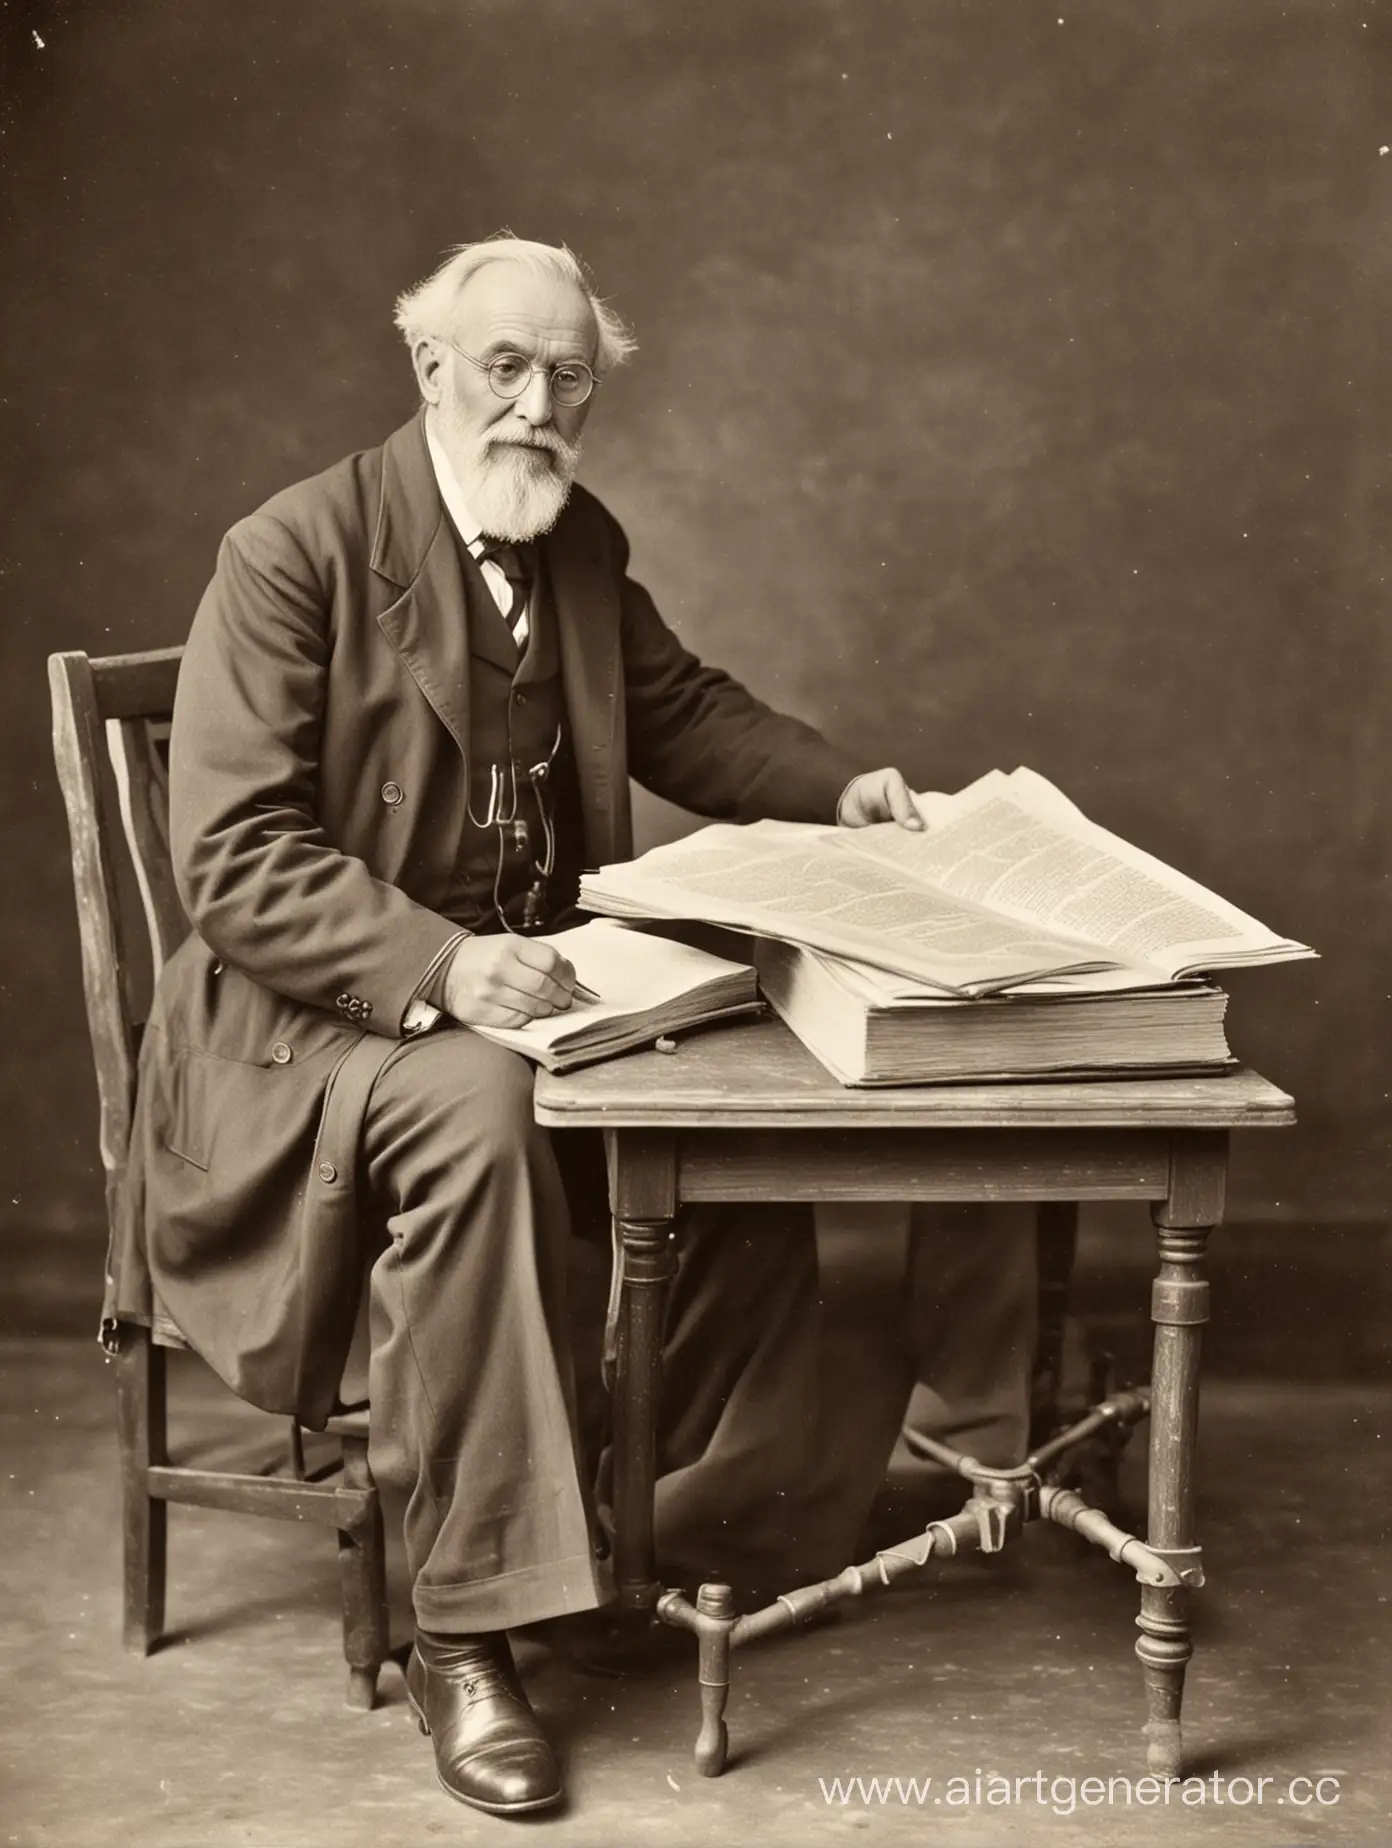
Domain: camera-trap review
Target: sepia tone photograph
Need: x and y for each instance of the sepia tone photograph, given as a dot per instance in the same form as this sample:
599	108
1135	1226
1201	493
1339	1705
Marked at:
695	935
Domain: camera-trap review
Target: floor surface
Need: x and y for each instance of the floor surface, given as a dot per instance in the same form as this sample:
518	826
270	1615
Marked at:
234	1734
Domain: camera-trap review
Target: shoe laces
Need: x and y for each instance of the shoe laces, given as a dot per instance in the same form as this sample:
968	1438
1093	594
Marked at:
488	1681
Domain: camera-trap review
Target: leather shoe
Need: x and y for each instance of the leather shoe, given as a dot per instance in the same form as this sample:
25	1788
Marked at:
490	1752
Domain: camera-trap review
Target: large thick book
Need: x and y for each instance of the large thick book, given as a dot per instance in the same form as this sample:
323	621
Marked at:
870	1028
648	987
1009	884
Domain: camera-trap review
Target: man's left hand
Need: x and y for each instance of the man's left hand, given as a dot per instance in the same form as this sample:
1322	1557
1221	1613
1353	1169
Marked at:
878	795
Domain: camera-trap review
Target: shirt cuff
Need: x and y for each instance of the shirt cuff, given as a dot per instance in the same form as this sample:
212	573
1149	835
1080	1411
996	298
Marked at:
419	1017
426	1006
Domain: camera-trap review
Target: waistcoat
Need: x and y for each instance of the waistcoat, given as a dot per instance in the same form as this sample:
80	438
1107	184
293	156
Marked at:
521	771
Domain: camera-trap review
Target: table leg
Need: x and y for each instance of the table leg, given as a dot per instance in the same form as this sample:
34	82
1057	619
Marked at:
1179	1309
1057	1243
648	1252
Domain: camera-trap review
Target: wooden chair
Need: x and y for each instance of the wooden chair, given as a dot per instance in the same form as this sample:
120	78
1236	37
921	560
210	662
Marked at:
110	732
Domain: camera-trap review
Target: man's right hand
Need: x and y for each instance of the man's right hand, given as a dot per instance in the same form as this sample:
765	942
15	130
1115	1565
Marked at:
505	981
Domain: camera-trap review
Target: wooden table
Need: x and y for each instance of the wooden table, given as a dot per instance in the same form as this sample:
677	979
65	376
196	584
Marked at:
745	1113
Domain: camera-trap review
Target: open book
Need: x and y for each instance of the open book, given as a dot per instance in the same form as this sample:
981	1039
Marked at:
647	987
1010	883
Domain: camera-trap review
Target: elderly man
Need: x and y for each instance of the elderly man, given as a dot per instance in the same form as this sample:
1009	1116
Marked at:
410	706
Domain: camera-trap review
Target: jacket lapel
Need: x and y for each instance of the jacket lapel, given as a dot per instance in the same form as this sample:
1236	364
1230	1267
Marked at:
414	549
586	604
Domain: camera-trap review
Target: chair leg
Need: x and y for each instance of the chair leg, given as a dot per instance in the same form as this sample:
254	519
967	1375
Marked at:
362	1564
1056	1245
141	1425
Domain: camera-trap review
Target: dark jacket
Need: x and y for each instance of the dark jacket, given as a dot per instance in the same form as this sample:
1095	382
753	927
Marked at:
318	779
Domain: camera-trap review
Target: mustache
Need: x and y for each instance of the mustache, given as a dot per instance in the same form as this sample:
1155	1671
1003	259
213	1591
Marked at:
549	440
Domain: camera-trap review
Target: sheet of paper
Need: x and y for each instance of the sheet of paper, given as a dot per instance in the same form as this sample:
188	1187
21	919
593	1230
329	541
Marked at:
810	886
1018	846
1008	884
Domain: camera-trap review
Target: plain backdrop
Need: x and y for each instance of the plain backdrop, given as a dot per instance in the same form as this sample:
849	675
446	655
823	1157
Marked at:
1012	388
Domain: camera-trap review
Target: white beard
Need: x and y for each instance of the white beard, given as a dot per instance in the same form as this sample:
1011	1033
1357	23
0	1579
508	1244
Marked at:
515	488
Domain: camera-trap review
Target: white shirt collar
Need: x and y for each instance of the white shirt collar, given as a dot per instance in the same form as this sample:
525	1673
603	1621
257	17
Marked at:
470	529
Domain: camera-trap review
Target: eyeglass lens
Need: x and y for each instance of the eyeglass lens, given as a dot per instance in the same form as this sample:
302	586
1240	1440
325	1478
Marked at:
510	375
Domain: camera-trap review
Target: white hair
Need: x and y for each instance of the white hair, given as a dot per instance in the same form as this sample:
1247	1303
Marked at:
428	310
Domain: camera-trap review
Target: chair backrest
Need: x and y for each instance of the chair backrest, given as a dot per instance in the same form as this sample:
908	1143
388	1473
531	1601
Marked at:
111	721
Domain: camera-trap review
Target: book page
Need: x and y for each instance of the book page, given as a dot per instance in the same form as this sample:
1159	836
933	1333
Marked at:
806	884
883	988
1016	845
633	974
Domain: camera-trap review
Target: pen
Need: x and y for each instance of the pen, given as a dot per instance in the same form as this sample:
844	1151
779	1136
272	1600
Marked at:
585	994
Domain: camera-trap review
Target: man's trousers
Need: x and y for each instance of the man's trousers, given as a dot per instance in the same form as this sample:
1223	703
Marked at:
474	1411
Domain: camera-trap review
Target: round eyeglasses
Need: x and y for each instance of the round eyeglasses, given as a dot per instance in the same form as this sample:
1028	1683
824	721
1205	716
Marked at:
570	382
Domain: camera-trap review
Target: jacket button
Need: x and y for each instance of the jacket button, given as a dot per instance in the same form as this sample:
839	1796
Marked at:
327	1171
366	1008
392	794
344	1001
281	1053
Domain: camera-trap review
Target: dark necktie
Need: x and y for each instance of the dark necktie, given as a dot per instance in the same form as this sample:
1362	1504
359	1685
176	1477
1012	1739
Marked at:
515	563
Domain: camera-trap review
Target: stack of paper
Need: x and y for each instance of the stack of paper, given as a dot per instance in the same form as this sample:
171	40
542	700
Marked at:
1011	883
1010	891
